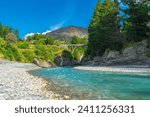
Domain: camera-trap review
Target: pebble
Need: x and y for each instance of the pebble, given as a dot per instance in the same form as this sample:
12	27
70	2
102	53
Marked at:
17	84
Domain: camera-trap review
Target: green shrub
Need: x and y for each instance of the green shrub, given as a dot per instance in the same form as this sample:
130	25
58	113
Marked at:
29	55
44	53
40	41
8	54
23	45
1	55
14	53
67	54
76	40
58	42
2	42
78	53
50	40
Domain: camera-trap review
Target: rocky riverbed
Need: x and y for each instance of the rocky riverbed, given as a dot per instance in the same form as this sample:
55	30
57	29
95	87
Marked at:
125	69
17	84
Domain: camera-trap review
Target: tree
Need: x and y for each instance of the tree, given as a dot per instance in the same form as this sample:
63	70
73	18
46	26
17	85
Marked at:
11	37
1	30
16	32
6	30
136	19
50	40
104	28
77	40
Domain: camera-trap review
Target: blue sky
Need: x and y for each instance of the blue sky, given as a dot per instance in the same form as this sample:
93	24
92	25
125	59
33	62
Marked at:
38	16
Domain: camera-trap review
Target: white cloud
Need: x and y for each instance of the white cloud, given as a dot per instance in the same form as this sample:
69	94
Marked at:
29	34
55	27
52	28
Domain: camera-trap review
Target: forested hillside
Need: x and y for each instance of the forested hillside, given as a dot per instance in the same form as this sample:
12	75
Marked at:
118	26
40	49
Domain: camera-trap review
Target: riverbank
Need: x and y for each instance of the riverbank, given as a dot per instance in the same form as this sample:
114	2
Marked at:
17	84
124	69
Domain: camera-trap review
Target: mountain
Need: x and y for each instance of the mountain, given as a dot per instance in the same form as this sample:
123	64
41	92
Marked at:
65	34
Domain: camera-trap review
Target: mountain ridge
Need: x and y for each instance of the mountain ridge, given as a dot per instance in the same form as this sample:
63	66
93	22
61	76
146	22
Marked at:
66	33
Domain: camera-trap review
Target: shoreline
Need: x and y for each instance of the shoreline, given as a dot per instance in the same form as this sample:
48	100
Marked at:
116	69
17	84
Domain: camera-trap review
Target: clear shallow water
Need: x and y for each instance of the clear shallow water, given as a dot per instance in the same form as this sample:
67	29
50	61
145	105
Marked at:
97	85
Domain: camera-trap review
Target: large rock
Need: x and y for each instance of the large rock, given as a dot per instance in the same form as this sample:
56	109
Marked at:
113	55
142	47
43	64
86	61
67	62
58	60
140	60
129	52
64	61
97	58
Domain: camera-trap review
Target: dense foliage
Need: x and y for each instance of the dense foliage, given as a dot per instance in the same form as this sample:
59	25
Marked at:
37	46
76	40
110	29
104	28
5	30
136	19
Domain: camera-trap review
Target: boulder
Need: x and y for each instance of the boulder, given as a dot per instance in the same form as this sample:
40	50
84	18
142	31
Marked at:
113	55
140	60
58	60
142	47
129	52
64	61
97	58
67	62
132	55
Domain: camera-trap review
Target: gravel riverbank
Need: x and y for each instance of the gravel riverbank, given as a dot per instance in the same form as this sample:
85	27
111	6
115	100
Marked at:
125	69
17	84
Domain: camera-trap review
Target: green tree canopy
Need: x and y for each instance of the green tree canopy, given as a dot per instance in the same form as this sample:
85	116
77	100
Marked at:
104	28
136	19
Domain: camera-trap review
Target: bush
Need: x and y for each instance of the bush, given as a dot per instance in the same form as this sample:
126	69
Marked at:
44	53
50	41
1	55
76	40
67	54
40	42
2	42
29	55
12	52
78	53
8	54
23	45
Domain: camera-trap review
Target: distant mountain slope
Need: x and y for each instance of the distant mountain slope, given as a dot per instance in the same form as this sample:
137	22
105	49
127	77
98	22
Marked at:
66	33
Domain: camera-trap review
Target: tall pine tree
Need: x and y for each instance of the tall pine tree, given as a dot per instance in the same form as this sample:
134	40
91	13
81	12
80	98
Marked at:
104	28
136	19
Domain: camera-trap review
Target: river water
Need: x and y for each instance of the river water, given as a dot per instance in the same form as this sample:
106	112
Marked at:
93	85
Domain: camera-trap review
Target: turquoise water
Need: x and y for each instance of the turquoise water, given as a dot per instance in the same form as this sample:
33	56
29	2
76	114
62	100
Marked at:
97	85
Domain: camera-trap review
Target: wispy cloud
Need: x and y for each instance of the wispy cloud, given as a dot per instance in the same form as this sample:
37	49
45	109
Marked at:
29	34
54	27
